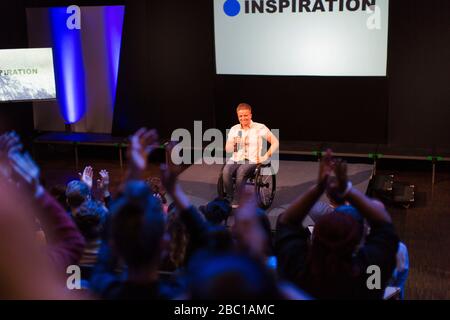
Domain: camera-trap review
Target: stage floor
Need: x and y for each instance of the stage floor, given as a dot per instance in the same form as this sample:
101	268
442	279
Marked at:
294	177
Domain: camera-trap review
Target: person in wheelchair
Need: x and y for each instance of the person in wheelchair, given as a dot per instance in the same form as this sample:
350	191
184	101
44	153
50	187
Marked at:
245	142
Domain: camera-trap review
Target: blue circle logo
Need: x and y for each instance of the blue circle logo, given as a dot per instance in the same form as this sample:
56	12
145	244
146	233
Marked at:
231	8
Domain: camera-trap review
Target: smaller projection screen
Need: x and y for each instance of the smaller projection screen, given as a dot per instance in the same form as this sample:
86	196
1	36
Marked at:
301	37
27	74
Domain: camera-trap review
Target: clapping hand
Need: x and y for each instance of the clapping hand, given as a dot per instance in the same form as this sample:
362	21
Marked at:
26	170
337	187
9	144
87	176
103	182
247	228
325	169
142	143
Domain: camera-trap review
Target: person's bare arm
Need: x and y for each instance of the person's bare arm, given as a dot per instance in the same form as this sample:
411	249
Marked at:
341	188
231	142
249	233
142	143
274	145
298	210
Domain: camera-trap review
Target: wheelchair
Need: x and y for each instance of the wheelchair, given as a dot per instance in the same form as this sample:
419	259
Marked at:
264	184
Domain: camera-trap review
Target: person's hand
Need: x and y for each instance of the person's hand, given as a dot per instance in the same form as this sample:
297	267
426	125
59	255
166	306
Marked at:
263	159
325	169
9	144
237	140
87	176
247	228
156	185
142	143
103	182
336	187
26	171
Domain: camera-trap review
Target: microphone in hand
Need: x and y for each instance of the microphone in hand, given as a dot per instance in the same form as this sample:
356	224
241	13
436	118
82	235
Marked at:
237	141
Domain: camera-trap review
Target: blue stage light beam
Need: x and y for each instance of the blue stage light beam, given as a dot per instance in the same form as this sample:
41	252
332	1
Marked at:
69	67
113	37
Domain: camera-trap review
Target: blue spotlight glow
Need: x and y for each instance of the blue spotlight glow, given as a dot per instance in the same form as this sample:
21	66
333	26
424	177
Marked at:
69	67
113	38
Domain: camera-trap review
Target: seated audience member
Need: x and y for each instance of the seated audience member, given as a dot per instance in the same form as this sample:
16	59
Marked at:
90	218
26	272
400	274
217	211
77	192
333	267
63	242
136	232
234	276
230	277
178	242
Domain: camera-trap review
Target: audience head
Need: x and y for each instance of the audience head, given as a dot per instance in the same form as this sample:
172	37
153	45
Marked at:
90	218
216	211
230	276
179	239
137	226
336	237
77	192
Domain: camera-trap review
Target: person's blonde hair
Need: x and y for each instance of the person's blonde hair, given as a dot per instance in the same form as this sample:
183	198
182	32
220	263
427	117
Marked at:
243	106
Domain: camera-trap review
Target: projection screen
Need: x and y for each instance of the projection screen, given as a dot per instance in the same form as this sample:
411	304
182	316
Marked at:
26	74
301	37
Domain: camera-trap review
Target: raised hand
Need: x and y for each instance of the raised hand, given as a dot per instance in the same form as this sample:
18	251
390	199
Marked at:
325	169
9	144
337	187
103	182
142	143
87	176
247	228
27	171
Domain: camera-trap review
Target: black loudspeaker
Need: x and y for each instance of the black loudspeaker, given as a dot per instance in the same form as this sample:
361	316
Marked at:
385	188
381	187
403	194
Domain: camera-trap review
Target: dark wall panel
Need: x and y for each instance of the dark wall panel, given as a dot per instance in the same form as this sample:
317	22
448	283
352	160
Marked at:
309	108
167	71
13	34
419	73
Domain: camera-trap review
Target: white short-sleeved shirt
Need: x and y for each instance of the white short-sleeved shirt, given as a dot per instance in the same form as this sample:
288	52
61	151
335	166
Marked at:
251	141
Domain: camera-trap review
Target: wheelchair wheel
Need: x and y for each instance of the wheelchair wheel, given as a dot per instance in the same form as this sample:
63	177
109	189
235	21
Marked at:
265	186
